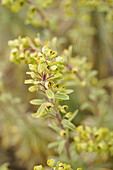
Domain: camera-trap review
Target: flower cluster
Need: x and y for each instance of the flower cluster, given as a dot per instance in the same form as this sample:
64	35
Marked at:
24	49
94	140
46	74
35	10
59	166
14	5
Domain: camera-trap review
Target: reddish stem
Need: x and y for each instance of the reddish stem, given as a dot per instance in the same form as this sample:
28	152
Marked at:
50	77
38	73
43	86
87	87
44	76
59	120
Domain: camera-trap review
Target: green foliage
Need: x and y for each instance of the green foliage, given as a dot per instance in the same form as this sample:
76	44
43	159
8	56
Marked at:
87	25
45	70
20	132
4	166
34	8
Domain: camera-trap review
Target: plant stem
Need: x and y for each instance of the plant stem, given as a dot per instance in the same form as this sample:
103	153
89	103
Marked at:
96	111
59	120
58	117
40	13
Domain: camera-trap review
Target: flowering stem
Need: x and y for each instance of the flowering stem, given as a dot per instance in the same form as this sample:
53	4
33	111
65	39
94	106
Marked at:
87	87
38	73
40	13
59	120
50	77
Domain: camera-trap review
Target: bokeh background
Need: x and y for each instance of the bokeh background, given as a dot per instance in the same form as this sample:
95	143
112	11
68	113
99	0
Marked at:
24	140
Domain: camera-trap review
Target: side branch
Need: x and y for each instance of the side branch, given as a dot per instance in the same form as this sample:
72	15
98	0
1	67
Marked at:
40	13
87	87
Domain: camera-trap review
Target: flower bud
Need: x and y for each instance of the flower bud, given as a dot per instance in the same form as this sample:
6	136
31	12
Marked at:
33	55
54	67
45	50
38	167
64	108
75	70
48	106
51	163
22	56
25	40
62	132
37	41
68	115
88	129
32	67
11	43
14	51
60	59
52	54
48	84
80	129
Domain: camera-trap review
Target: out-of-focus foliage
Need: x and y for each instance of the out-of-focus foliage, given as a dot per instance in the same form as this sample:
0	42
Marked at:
96	140
87	25
44	74
20	135
4	166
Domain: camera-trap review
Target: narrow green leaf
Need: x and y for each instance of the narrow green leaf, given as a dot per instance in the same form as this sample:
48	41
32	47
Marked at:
47	115
61	146
30	81
42	67
32	88
53	144
33	75
73	115
50	94
36	102
68	124
68	91
56	77
70	51
37	82
53	112
40	111
54	127
54	43
62	96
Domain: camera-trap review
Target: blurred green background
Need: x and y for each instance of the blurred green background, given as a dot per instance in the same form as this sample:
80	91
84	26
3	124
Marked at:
23	140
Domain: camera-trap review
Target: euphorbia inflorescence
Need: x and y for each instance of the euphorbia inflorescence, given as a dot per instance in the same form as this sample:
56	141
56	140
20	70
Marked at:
55	166
97	140
46	74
